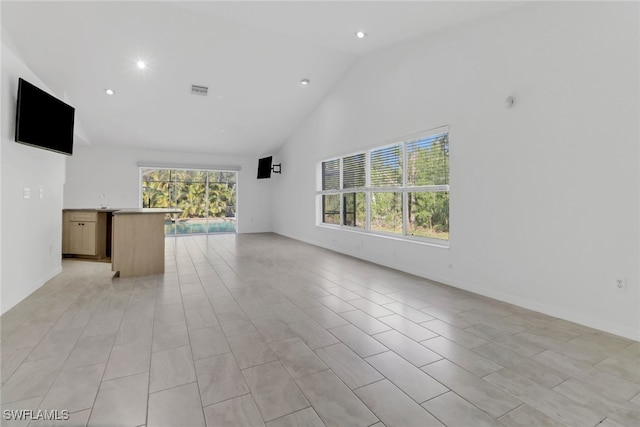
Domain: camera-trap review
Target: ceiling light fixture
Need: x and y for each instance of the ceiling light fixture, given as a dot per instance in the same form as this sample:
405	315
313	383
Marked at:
361	34
305	82
109	92
141	64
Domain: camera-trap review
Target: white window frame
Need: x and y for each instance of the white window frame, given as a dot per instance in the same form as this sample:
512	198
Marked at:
368	190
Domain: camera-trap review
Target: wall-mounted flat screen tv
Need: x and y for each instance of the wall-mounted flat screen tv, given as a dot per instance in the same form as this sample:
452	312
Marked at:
264	167
42	120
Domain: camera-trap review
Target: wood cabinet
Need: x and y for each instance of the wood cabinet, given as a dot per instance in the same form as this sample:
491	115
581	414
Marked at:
84	233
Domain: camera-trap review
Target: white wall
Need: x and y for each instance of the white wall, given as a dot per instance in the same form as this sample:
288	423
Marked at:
115	172
31	228
544	196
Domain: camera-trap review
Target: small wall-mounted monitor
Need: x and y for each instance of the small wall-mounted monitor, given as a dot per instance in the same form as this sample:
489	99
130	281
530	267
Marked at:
264	167
42	120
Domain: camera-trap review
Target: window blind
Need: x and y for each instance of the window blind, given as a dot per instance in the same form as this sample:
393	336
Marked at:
386	166
331	175
354	171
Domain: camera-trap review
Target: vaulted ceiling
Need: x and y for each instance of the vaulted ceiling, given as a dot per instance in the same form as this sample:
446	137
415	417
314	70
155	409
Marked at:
251	56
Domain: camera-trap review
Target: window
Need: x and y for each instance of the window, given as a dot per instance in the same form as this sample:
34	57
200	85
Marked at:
207	198
400	189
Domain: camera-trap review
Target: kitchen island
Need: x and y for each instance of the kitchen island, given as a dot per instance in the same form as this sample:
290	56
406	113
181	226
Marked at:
138	241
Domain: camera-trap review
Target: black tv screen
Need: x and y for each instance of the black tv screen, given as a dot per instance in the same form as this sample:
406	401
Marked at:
264	167
42	120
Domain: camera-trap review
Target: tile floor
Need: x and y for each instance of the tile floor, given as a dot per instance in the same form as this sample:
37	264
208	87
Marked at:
248	330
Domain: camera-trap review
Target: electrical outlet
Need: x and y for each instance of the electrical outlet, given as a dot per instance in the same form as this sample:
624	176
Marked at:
621	284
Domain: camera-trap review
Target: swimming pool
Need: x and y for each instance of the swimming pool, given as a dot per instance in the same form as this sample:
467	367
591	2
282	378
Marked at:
199	227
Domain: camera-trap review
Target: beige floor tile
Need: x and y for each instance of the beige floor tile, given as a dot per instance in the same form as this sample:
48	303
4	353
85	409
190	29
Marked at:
334	402
288	312
410	300
273	329
602	342
614	407
11	360
302	301
135	329
524	366
176	406
170	313
74	389
501	324
547	401
567	349
513	343
31	379
56	343
374	296
370	307
408	328
453	410
603	381
608	422
304	418
348	366
358	341
448	316
121	402
296	357
171	368
313	334
411	380
128	359
234	323
273	390
200	318
415	353
102	324
255	307
27	335
326	317
240	411
368	324
627	370
219	378
73	318
250	350
342	293
452	333
207	342
407	312
526	416
394	407
484	395
467	359
169	336
335	304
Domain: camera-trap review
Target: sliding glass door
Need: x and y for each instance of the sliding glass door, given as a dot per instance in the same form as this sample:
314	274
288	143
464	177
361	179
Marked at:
207	198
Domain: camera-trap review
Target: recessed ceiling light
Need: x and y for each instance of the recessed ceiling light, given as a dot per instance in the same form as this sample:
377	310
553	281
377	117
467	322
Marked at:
221	130
109	92
305	82
141	65
361	34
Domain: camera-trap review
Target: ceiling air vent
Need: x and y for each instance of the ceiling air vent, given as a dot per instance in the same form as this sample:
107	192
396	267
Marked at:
199	90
